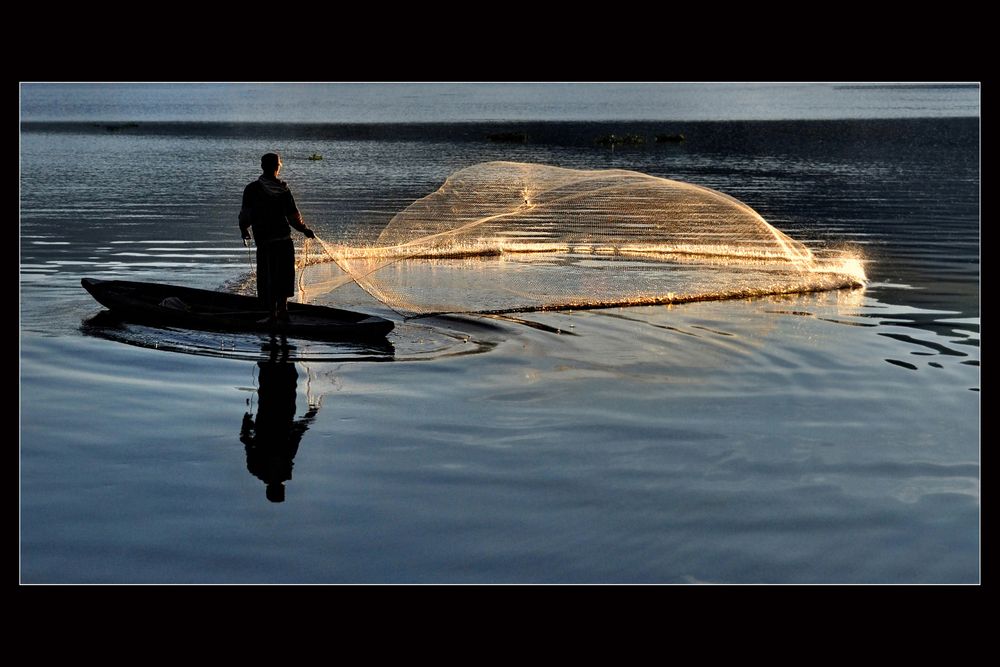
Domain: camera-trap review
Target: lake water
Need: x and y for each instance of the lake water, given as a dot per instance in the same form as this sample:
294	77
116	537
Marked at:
826	437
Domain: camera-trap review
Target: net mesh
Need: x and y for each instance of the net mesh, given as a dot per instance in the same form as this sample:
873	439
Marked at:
514	237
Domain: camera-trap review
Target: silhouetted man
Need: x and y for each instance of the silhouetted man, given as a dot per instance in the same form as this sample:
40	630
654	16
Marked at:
272	439
269	209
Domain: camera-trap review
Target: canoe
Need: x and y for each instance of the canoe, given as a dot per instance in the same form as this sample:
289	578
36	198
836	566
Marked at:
190	308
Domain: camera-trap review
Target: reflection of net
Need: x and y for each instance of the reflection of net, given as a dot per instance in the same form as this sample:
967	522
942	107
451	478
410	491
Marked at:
505	236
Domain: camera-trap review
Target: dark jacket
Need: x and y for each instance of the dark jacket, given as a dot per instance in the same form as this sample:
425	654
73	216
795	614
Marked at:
269	209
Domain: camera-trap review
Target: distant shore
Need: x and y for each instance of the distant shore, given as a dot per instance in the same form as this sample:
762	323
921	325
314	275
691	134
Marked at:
698	135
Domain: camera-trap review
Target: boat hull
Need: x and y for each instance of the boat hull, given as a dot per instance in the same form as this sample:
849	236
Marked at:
190	308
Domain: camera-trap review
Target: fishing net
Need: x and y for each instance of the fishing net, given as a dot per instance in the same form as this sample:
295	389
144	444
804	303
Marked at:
509	237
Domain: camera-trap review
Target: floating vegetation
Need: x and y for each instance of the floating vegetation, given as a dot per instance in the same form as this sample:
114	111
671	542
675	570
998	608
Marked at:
621	140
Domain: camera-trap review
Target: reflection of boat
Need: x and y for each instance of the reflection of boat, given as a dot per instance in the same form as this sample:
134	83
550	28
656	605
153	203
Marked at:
186	307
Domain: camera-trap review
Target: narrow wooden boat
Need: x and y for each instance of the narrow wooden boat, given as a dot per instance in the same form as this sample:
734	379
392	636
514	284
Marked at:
189	308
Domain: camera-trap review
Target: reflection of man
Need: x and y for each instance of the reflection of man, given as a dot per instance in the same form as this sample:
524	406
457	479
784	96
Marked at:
273	438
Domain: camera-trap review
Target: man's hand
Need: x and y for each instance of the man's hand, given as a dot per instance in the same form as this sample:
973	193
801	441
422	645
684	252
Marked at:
310	234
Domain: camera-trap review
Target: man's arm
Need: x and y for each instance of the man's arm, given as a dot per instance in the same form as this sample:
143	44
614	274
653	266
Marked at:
295	218
245	214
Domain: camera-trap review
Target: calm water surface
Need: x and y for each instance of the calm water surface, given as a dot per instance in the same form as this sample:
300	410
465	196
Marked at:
815	438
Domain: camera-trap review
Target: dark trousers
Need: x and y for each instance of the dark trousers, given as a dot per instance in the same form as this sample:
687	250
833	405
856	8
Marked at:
275	271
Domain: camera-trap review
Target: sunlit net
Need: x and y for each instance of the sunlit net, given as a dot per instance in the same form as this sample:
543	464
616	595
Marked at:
507	237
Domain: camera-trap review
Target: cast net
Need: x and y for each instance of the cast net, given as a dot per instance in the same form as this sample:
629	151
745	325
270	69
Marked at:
514	237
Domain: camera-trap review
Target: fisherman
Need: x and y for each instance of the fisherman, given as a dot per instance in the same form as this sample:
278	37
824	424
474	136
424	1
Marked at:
269	209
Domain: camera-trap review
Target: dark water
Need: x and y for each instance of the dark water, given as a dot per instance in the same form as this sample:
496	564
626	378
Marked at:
816	438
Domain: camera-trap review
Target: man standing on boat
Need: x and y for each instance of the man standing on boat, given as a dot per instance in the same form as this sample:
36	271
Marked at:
269	209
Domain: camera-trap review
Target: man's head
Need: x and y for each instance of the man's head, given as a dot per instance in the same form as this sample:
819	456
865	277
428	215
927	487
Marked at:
275	492
270	163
